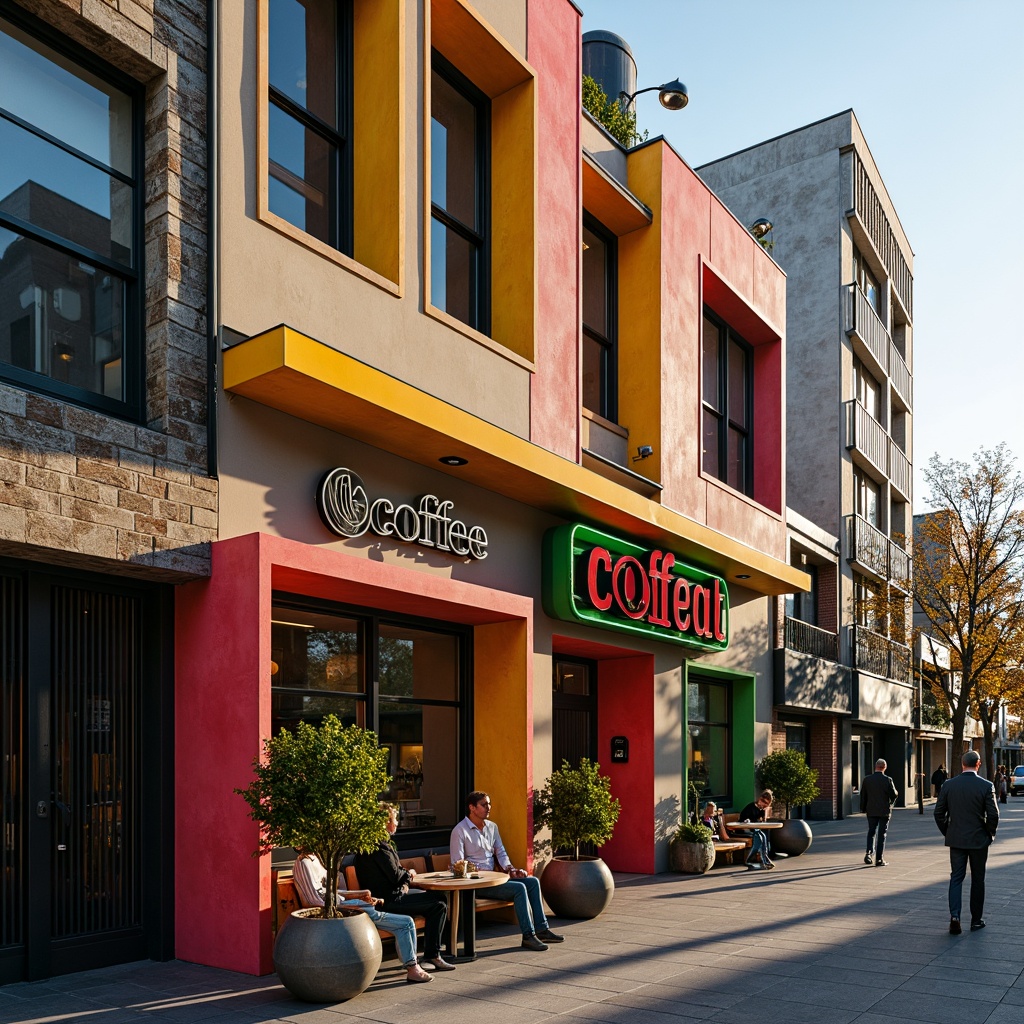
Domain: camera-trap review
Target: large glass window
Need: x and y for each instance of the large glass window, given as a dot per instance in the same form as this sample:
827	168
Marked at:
404	680
459	197
70	212
867	281
727	405
867	390
309	76
868	498
708	711
599	348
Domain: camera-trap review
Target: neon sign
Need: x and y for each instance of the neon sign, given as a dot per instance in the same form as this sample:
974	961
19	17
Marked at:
604	581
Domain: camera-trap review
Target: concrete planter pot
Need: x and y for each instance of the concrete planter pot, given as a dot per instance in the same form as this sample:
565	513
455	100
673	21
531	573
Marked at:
691	858
792	839
577	888
327	961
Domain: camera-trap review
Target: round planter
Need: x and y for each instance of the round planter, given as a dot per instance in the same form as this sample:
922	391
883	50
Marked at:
691	858
792	839
577	888
327	961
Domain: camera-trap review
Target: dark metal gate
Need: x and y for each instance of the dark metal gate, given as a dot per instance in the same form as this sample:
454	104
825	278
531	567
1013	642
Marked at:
71	743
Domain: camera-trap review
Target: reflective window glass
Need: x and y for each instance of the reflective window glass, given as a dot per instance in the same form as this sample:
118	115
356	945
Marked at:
453	155
301	165
727	384
303	39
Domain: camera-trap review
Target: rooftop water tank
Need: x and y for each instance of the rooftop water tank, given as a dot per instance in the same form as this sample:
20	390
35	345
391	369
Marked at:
608	59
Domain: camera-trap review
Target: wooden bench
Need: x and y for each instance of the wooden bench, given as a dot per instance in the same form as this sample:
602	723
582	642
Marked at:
731	852
287	897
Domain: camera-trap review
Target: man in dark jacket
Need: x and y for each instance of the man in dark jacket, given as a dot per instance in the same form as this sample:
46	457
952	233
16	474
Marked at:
877	795
939	776
382	873
967	816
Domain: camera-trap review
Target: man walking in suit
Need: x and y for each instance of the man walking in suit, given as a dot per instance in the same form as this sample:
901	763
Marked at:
877	795
967	816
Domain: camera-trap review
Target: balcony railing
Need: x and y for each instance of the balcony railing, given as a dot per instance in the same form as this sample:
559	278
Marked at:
880	656
808	639
900	473
899	374
900	565
862	320
867	546
867	436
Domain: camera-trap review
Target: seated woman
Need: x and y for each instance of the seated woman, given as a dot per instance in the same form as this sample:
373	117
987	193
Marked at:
311	880
389	882
757	859
713	820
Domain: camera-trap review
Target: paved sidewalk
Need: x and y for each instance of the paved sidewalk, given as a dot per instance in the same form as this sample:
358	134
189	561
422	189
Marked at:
822	939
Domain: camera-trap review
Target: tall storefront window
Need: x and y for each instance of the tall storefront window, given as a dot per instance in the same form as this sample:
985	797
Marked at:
401	679
70	216
708	708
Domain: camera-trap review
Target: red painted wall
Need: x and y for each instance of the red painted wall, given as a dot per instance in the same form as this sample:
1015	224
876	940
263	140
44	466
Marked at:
625	707
555	52
222	715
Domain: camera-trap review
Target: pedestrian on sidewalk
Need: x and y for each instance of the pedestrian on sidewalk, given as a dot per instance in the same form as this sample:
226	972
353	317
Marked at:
939	776
1002	784
967	816
877	795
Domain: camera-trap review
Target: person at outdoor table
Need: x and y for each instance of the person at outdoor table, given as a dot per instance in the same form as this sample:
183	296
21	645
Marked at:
310	878
714	821
758	859
476	839
382	871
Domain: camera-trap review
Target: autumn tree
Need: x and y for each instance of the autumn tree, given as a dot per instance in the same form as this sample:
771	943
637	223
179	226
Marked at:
969	582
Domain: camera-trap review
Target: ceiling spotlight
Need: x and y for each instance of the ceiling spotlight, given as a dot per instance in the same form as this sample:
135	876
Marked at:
761	227
743	575
453	460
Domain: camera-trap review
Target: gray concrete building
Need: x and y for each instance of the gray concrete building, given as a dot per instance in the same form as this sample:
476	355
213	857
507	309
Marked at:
849	415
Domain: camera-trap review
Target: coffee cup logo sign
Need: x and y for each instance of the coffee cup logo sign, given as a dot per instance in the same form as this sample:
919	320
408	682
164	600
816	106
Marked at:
604	581
346	510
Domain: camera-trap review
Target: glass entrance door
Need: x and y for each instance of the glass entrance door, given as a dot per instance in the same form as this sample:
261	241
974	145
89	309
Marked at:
71	748
573	712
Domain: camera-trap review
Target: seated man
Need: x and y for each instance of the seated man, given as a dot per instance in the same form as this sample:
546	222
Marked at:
311	880
476	839
757	859
389	882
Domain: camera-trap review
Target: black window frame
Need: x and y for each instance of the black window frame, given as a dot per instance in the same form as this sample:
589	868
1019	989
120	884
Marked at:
609	342
369	621
341	198
480	240
133	352
722	413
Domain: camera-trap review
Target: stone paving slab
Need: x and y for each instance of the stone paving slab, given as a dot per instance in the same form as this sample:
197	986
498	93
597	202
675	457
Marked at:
823	939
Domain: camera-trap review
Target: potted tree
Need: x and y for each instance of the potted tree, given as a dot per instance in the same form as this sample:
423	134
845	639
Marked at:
787	774
317	789
577	805
692	850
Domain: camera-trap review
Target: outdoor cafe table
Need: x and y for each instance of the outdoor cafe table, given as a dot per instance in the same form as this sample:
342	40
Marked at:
753	824
445	882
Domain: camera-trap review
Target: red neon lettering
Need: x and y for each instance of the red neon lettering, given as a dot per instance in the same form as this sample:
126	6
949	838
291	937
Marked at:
600	558
719	608
626	576
680	602
701	611
660	579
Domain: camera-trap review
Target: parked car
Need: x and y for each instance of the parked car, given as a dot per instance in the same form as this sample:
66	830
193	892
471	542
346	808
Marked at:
1016	780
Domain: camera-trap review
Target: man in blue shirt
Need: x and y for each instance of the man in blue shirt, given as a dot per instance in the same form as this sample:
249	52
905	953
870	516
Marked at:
477	839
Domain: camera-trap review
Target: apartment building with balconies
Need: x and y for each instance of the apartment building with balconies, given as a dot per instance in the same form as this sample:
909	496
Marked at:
849	410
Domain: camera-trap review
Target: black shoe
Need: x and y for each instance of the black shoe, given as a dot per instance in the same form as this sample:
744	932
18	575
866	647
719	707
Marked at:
976	926
867	858
881	863
547	935
954	926
532	942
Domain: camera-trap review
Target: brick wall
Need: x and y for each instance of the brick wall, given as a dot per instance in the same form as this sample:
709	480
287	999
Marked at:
828	602
80	488
823	758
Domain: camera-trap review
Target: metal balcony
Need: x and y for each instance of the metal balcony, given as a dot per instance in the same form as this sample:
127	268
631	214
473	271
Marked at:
900	567
866	437
867	547
807	673
900	376
866	325
901	475
880	656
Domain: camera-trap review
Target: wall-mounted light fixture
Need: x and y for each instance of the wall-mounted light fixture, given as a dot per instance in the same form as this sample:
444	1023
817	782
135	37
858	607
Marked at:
761	227
644	451
672	95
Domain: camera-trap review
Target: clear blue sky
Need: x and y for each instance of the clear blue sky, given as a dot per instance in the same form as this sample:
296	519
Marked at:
938	88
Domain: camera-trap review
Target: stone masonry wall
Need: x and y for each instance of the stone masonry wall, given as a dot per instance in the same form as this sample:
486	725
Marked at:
80	488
